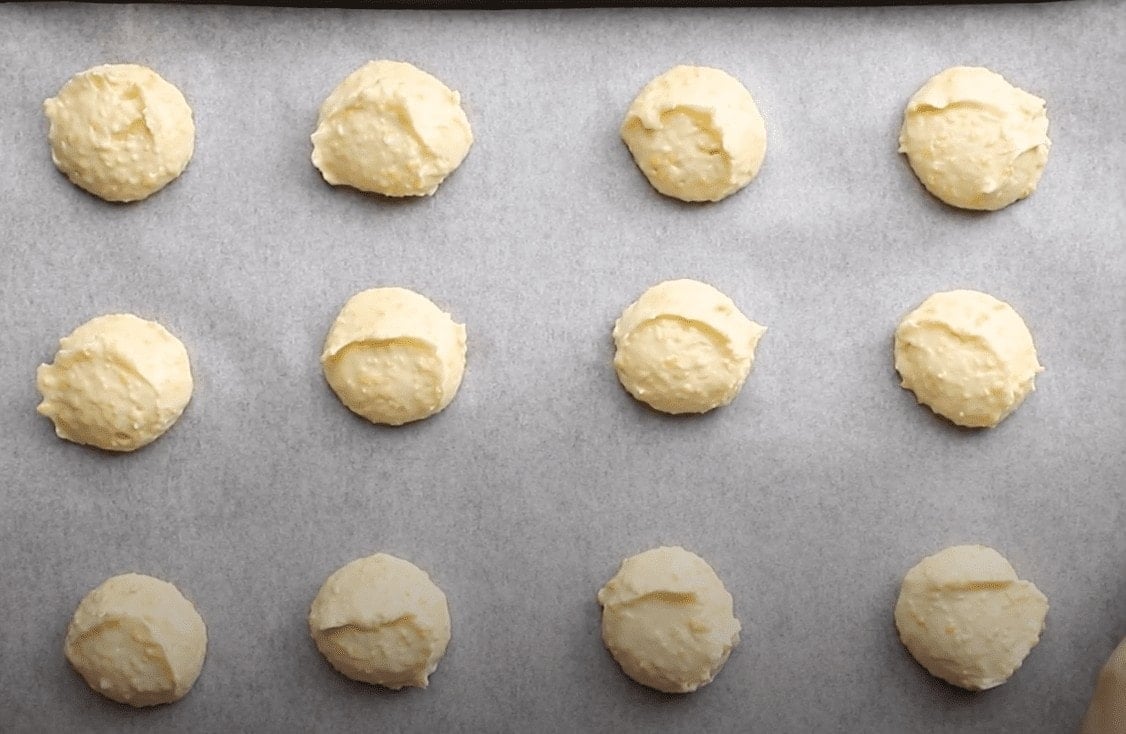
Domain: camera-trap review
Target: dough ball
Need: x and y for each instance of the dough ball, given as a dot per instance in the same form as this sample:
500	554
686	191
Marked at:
696	134
967	618
668	620
120	131
118	382
392	129
394	357
974	140
967	356
684	347
137	640
381	620
1106	713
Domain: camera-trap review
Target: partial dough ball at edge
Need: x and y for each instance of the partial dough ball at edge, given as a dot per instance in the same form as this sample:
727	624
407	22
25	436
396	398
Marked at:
1106	712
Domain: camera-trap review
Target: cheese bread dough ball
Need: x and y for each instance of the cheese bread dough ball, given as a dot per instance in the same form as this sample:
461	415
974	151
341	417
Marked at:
967	356
118	382
668	620
1106	713
381	620
120	131
394	357
974	140
137	640
967	618
684	347
392	129
695	133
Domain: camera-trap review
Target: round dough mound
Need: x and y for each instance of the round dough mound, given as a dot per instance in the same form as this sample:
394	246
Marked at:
120	131
137	640
118	382
684	347
974	140
381	620
967	618
392	129
668	620
1107	712
967	356
696	134
394	357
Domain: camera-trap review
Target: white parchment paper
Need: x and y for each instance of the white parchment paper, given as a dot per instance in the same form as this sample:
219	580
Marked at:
811	495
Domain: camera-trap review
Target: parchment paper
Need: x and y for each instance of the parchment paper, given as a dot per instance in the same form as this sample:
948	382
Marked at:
811	495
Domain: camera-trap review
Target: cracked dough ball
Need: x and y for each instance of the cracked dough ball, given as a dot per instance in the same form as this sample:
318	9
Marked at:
118	382
392	129
668	620
381	620
120	131
684	347
1106	713
696	134
394	357
974	140
967	356
137	640
965	616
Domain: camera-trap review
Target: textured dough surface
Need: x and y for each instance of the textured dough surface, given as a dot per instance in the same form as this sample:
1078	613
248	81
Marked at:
120	131
137	640
118	382
974	140
1106	714
394	357
967	356
381	620
668	620
684	347
696	133
392	129
967	618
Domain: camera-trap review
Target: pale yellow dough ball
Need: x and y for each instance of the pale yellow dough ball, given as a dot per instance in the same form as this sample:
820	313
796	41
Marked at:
118	382
137	640
668	620
967	356
120	131
393	357
696	133
974	140
392	129
684	347
965	616
381	620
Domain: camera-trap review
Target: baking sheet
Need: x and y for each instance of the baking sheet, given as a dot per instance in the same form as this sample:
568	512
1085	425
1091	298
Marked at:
811	495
